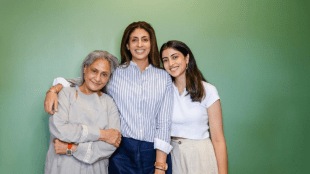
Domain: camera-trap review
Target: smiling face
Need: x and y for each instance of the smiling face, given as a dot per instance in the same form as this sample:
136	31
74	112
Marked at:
139	44
96	76
175	62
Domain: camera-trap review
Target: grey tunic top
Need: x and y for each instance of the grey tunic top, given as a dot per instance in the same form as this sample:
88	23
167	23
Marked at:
78	120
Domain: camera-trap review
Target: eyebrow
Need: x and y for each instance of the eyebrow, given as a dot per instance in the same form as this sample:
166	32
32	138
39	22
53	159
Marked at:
138	37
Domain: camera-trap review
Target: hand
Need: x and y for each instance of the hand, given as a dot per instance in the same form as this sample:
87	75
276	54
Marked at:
157	171
51	103
111	136
60	147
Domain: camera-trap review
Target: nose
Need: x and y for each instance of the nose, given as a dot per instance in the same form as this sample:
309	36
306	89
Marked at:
97	78
140	43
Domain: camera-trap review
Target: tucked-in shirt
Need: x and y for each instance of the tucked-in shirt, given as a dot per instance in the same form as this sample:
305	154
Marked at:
79	120
144	100
190	119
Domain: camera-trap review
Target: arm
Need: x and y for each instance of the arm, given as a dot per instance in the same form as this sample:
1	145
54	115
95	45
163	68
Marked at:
162	158
51	98
217	136
63	129
88	152
91	152
162	137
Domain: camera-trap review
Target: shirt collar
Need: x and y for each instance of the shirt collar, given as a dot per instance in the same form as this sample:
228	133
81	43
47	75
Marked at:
132	63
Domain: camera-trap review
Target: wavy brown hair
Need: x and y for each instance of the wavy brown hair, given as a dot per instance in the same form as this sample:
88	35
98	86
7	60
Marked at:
193	75
153	56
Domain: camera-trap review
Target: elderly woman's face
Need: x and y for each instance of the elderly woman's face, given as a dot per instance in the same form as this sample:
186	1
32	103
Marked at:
96	76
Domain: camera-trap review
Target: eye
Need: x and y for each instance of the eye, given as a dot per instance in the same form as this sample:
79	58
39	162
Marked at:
174	57
104	74
165	59
145	40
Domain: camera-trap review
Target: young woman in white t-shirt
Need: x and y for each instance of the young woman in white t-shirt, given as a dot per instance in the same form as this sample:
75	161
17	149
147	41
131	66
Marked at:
197	133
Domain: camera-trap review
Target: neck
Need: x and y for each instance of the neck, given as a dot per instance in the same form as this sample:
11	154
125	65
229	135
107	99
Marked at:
180	83
86	91
142	64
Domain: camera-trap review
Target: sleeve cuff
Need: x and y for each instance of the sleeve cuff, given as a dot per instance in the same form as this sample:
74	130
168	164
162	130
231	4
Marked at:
83	152
62	81
162	145
89	134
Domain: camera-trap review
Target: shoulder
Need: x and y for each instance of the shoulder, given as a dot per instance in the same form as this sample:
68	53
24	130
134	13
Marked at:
107	98
160	72
208	86
66	93
67	90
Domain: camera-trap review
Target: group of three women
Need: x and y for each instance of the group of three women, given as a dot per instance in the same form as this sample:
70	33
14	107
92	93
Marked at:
169	123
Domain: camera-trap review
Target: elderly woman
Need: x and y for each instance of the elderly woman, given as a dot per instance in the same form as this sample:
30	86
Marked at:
85	130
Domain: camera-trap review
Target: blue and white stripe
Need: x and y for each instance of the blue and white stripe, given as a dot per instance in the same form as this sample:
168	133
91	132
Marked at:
145	103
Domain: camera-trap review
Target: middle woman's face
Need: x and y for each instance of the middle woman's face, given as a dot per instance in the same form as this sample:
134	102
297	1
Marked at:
139	44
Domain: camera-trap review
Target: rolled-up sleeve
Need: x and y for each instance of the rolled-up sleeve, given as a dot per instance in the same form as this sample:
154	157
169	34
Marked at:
163	125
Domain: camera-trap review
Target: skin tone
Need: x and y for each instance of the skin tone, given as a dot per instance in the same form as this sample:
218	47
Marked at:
96	77
175	64
139	45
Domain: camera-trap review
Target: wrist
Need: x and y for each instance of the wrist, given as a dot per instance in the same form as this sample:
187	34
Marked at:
161	166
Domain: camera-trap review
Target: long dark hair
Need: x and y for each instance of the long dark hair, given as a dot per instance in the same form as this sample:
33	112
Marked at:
194	76
153	56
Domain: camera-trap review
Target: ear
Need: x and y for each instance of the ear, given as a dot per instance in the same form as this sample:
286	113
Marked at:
127	46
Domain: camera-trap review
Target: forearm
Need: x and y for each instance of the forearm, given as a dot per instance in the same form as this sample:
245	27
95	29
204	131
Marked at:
221	155
161	158
91	152
69	132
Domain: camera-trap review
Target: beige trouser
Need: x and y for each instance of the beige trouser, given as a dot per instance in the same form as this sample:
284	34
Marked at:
193	157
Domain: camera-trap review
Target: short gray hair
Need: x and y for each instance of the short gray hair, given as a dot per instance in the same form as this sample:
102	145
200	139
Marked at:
98	54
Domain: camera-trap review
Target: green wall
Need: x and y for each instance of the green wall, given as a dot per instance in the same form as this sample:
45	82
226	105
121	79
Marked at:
256	52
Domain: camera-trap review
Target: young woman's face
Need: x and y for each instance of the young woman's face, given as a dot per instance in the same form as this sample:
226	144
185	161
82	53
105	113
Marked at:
96	76
139	44
174	62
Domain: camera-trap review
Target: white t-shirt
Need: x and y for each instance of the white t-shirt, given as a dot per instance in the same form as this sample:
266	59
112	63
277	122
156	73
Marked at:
190	119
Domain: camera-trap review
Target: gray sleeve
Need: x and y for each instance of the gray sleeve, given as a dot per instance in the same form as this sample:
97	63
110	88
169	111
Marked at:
61	128
94	151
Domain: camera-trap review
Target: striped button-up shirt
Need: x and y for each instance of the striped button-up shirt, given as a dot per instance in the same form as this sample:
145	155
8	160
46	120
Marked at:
145	103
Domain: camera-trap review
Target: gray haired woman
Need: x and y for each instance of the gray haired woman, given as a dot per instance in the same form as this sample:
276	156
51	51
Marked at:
85	129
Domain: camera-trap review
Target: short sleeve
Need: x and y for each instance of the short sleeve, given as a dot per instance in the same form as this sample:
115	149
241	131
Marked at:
211	95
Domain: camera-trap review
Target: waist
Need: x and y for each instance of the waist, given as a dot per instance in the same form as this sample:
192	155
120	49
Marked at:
177	138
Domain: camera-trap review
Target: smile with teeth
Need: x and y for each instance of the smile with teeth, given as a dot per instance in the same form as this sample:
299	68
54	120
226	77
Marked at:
174	68
140	51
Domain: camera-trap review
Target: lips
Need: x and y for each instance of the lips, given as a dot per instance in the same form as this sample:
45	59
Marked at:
174	68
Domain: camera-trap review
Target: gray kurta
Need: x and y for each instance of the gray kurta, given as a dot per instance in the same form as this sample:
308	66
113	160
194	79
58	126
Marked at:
78	120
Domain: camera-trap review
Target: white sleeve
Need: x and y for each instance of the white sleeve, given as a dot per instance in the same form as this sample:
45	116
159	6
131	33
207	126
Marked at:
62	81
211	95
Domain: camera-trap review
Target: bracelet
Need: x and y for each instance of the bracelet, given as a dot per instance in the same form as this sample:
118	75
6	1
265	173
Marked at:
160	169
161	166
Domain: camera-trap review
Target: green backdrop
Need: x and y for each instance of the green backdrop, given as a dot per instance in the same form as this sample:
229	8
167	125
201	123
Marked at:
256	52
